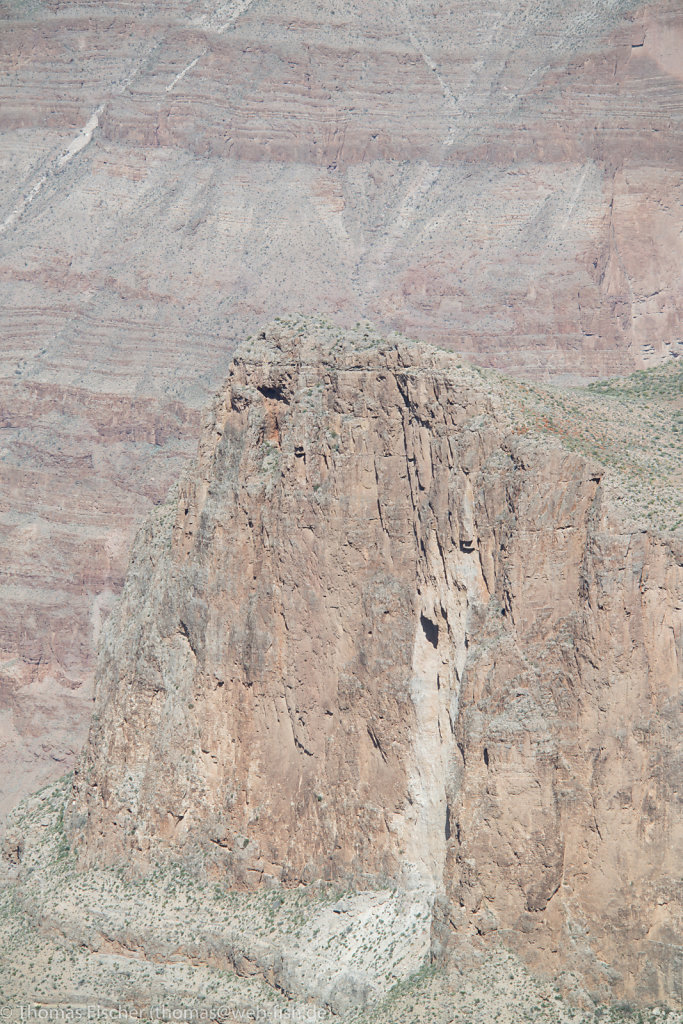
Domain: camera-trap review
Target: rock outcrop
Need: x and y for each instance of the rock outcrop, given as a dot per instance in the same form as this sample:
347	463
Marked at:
506	174
382	632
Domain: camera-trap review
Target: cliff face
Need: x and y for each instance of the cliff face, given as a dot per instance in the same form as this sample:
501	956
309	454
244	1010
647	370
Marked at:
174	174
381	632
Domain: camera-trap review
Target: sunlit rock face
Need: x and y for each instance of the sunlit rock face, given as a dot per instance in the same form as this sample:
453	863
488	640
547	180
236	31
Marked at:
499	178
381	634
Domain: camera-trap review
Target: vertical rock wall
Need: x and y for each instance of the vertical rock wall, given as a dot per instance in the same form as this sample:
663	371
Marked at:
378	634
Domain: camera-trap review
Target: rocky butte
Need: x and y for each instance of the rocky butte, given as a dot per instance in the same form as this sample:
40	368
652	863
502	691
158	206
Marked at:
174	174
382	632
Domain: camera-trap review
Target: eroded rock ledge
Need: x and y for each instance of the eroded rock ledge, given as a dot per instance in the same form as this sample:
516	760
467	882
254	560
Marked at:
380	632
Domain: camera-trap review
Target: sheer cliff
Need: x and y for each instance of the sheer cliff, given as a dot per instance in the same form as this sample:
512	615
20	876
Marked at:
384	630
501	177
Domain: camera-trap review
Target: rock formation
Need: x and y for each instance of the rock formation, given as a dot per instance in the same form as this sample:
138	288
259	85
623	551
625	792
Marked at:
505	174
381	632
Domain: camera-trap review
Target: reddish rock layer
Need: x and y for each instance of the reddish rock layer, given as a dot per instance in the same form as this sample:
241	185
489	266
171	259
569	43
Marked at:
503	179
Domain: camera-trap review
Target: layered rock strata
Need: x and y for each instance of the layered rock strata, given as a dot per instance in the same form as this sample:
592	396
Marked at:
172	174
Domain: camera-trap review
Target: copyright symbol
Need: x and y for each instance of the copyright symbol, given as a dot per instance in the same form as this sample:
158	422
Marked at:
5	1012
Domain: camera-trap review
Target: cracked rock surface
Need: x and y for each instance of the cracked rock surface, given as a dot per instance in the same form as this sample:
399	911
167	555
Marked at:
380	633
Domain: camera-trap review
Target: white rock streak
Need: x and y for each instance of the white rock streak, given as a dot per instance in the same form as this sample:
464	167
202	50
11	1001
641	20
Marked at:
85	135
83	138
179	77
77	145
208	23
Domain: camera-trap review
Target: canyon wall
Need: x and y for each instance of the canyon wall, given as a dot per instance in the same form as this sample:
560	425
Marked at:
501	179
381	632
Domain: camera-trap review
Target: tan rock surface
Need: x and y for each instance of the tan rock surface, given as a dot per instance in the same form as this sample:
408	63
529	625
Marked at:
350	161
500	178
384	631
172	945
